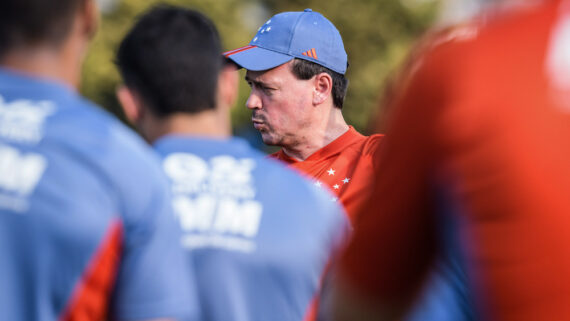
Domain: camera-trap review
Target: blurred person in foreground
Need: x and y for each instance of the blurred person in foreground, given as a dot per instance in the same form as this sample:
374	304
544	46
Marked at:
477	156
257	234
85	212
296	65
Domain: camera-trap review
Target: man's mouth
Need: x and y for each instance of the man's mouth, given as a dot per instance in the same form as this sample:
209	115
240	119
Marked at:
258	124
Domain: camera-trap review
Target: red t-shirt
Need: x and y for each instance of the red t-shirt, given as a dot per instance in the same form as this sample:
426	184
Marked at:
486	120
345	166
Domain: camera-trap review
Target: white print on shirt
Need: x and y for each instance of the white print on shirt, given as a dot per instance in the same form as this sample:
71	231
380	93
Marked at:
214	201
558	59
22	121
225	215
223	175
19	175
333	188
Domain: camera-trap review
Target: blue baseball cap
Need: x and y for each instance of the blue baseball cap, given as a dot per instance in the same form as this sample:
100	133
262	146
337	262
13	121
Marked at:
305	35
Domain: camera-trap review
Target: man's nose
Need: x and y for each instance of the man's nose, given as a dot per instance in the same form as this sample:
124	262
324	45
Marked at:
253	101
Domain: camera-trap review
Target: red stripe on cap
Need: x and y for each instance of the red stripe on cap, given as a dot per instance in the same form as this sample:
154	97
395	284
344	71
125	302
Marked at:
89	301
314	53
238	50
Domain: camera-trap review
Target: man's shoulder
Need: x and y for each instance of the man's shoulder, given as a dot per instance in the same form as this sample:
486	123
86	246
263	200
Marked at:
374	139
366	144
103	137
107	148
54	120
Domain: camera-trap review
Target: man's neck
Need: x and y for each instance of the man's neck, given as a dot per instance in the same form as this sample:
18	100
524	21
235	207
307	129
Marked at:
49	63
208	123
318	137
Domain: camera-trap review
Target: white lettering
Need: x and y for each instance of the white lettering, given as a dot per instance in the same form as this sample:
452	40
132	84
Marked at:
240	219
194	241
195	214
186	169
22	120
20	173
206	213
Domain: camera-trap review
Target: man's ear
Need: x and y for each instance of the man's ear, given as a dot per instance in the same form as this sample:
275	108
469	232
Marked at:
130	102
90	14
228	85
323	88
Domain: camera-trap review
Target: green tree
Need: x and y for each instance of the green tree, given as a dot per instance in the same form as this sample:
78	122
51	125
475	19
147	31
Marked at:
100	76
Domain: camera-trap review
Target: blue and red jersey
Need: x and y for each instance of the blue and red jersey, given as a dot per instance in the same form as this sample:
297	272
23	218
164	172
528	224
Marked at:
85	213
258	235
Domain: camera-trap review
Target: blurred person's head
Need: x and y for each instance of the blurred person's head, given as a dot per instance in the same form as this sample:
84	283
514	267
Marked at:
46	38
174	72
296	65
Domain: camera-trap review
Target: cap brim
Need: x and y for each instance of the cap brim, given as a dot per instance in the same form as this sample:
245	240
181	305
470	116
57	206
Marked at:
257	59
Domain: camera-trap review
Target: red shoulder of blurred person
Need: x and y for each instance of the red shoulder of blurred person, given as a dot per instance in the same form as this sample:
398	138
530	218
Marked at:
483	117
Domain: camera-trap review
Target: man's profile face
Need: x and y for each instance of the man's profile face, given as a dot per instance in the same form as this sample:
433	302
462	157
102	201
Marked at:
281	105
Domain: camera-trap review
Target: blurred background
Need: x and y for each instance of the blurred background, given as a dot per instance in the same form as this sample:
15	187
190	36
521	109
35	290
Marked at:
377	35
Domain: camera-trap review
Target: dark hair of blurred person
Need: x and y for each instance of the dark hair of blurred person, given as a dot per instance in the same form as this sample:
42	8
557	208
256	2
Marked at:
167	72
32	30
173	75
29	23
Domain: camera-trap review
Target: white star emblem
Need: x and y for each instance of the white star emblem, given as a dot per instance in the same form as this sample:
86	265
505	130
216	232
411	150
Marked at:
336	186
331	171
255	39
346	180
268	29
334	199
318	184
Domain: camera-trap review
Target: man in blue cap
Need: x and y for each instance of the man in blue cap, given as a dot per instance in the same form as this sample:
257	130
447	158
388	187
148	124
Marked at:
296	66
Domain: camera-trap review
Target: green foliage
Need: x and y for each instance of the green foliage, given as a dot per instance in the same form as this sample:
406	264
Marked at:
376	34
100	76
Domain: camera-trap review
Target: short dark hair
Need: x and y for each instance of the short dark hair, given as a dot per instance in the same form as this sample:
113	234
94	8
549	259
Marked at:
25	22
172	59
304	69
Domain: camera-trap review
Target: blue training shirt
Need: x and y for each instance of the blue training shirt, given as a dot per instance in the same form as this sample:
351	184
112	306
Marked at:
258	234
85	213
